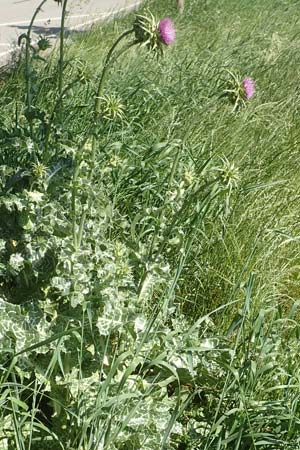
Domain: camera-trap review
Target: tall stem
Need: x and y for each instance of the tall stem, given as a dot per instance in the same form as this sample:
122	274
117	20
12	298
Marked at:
73	200
28	62
104	71
107	64
171	178
54	111
61	56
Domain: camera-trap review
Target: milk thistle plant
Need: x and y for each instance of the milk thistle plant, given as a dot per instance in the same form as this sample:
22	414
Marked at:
154	36
147	32
77	275
239	91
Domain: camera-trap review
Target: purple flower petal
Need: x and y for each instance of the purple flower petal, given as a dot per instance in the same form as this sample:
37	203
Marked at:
167	31
249	87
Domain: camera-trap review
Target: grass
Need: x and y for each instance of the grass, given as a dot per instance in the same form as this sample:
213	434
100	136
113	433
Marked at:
185	93
177	316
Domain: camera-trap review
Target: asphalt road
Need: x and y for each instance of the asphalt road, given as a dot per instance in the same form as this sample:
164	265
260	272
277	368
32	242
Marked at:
15	16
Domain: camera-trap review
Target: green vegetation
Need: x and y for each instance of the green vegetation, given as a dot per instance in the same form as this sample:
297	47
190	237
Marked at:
149	264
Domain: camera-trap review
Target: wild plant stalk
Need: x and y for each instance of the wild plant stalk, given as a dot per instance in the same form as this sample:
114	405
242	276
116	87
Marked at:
61	58
180	6
55	111
147	32
156	234
28	67
205	206
107	65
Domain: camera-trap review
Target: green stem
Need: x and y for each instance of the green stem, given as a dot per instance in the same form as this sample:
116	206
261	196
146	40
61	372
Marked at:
107	64
61	55
172	174
28	61
54	111
210	196
73	201
104	70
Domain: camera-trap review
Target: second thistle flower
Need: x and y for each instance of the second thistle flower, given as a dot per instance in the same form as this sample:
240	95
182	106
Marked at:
152	34
249	87
239	91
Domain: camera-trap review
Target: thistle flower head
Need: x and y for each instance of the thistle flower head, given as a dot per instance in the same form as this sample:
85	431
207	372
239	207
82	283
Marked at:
39	170
152	34
43	43
112	107
239	91
249	87
167	31
228	174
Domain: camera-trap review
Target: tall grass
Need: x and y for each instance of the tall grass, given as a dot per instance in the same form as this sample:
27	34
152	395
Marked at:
167	317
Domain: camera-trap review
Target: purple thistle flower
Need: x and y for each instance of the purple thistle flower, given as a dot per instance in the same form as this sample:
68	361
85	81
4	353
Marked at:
249	87
167	31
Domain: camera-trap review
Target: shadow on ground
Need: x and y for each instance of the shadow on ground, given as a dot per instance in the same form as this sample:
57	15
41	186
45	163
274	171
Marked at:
47	31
